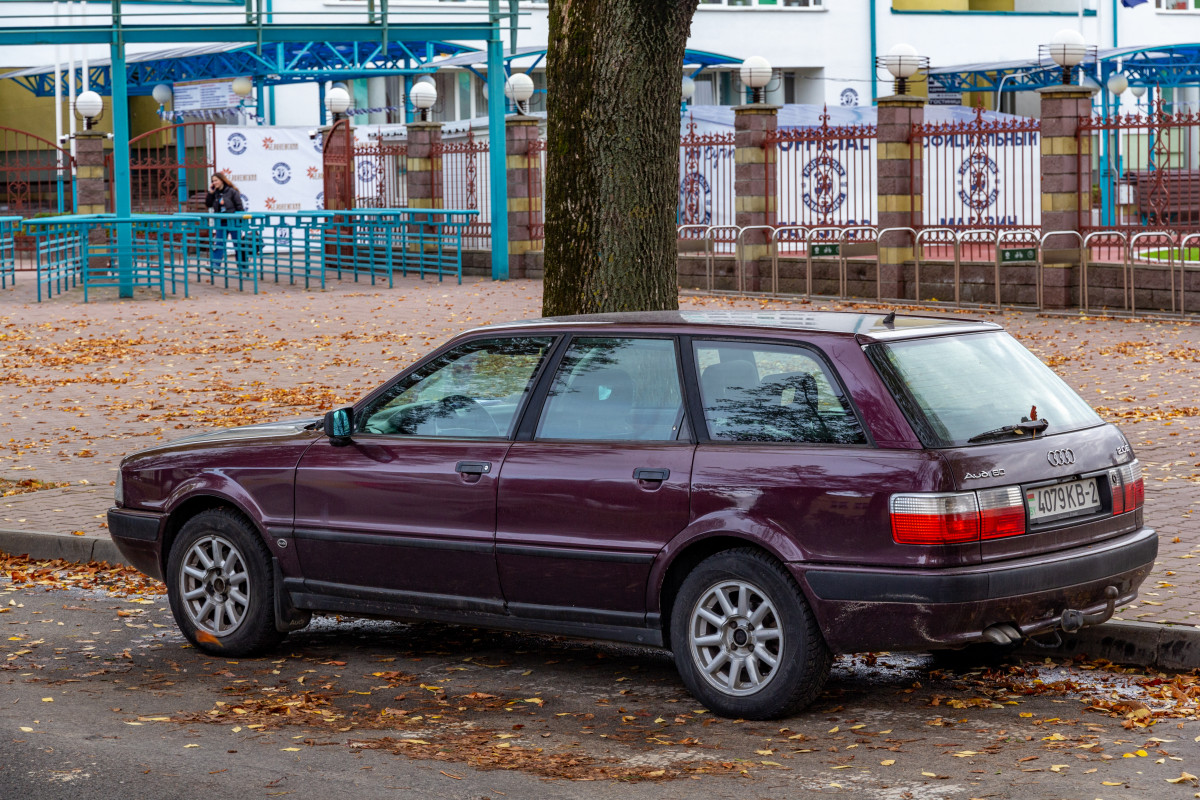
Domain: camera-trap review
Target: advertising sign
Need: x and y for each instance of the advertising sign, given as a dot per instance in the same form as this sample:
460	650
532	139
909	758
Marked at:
204	95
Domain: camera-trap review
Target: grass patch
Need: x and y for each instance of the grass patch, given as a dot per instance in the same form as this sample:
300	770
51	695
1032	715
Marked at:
1166	253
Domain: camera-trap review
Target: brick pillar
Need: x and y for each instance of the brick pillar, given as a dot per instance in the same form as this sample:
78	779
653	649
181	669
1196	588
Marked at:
424	165
900	192
523	165
1066	171
90	186
754	191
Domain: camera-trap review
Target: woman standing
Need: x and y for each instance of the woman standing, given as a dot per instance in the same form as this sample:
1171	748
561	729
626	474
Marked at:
223	197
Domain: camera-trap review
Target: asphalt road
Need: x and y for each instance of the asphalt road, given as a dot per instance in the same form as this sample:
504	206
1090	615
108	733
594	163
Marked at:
101	698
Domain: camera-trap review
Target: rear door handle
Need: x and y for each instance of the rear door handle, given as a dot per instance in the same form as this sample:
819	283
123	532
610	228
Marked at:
473	467
651	474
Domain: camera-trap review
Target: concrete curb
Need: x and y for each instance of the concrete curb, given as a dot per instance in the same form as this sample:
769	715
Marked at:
1141	644
43	544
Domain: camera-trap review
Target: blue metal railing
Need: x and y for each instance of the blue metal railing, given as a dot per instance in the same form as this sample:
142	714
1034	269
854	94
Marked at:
8	250
239	250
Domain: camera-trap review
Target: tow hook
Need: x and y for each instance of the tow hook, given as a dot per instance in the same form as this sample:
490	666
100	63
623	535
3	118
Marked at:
1072	620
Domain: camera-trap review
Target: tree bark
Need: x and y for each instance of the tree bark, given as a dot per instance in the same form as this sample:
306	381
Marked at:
613	75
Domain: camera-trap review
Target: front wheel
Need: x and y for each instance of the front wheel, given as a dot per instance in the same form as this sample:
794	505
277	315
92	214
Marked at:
220	585
744	639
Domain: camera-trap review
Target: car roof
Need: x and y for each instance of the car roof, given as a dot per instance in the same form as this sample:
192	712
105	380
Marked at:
866	326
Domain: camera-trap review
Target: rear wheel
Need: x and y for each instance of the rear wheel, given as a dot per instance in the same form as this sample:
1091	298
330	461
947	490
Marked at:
220	585
744	639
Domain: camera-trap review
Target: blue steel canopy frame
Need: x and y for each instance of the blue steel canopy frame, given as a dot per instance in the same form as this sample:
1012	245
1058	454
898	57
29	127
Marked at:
1162	66
279	64
258	30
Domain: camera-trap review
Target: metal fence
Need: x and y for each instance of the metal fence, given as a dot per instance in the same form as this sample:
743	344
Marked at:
465	184
979	174
36	175
1144	171
706	183
826	176
380	174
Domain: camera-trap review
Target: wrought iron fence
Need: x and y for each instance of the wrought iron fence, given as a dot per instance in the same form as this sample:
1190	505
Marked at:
979	174
464	178
826	176
536	179
380	174
706	184
1145	172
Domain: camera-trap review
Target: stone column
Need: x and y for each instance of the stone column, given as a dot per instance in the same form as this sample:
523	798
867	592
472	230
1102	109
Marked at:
90	186
424	165
524	204
901	189
755	184
1066	164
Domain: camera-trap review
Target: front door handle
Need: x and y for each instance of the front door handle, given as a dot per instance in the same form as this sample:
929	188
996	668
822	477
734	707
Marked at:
658	475
473	467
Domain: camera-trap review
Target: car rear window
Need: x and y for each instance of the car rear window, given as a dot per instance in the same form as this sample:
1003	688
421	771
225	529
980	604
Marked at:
955	388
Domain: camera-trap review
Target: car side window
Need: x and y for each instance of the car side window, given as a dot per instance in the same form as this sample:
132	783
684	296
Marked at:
472	391
619	389
756	392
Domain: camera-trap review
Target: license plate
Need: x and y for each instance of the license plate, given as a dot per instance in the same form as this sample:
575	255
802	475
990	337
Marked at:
1062	500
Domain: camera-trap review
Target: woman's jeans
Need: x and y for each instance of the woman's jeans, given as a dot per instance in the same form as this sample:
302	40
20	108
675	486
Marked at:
227	228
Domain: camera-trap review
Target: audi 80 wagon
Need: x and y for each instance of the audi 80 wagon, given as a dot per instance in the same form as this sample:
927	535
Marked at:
754	491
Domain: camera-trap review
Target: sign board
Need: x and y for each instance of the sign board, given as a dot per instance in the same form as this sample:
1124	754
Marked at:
204	95
939	95
826	249
1018	255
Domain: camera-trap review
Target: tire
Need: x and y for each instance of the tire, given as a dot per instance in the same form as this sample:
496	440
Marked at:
221	587
742	608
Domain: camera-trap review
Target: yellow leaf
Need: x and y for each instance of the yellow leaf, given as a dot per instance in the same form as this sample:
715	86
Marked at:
47	699
856	727
1058	767
191	745
133	723
1054	737
290	749
1183	778
507	736
659	721
842	766
965	754
834	729
414	741
27	730
777	764
887	762
1142	753
537	701
929	774
1026	713
1111	783
765	752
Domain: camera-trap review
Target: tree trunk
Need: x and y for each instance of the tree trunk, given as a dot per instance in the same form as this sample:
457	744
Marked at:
613	76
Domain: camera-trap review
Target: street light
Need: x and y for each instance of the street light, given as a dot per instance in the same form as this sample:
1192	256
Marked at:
902	63
518	88
162	94
89	106
243	86
756	74
423	96
337	100
1067	49
1117	83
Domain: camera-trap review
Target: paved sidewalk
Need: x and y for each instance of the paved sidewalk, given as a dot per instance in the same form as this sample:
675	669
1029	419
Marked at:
83	385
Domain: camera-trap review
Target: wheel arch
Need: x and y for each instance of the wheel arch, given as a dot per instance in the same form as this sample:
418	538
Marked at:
190	507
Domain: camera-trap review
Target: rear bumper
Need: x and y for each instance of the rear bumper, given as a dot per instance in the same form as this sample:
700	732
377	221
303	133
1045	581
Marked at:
888	609
138	535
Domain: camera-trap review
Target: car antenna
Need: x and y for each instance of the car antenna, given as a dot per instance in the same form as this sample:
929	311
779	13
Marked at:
890	319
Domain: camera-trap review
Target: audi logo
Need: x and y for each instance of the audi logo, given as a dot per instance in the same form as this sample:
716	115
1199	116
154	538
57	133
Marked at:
1060	458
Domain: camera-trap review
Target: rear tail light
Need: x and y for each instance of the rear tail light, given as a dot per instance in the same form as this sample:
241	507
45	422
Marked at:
1001	513
1128	488
932	519
935	518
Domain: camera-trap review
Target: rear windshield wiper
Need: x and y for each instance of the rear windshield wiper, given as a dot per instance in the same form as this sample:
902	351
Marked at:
1020	429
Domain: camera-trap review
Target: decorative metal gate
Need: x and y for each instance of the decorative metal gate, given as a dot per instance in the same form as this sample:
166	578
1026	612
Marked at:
1148	175
337	156
706	196
465	186
381	175
170	167
35	175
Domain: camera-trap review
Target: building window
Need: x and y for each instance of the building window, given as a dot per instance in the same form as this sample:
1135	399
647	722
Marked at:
1177	5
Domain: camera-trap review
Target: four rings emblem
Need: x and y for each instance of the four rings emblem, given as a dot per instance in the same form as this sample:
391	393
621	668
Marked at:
1061	458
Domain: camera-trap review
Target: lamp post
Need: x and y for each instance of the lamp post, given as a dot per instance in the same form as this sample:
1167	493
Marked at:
1067	49
162	95
902	62
337	101
423	96
519	88
1110	158
89	106
756	74
242	86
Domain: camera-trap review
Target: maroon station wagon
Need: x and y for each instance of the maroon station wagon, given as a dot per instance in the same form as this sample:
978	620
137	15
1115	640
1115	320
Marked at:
755	491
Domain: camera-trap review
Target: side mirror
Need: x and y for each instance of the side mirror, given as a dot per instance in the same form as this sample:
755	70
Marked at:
339	424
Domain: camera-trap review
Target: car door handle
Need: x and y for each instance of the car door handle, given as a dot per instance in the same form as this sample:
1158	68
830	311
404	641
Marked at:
473	467
659	475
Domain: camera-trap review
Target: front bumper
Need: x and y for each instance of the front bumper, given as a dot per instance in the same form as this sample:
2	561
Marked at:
138	535
888	609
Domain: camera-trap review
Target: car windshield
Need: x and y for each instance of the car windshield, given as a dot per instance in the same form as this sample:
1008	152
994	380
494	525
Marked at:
954	388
